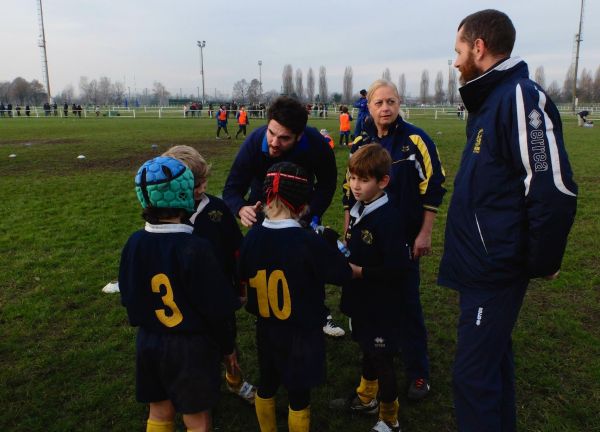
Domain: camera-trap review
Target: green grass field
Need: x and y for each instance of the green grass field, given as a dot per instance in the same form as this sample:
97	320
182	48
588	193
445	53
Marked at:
67	352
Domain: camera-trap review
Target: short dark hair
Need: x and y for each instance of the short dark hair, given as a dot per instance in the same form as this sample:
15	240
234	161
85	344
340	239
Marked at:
492	26
370	160
289	113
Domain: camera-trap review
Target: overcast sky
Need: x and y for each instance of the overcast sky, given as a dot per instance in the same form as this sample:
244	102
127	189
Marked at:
141	41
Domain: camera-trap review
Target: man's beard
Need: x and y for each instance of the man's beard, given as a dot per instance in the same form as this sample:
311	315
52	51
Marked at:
469	70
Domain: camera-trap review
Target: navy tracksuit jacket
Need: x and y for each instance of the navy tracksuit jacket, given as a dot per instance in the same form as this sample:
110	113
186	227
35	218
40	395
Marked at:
510	214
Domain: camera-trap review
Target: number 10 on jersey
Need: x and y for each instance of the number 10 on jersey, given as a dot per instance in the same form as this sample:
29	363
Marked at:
268	294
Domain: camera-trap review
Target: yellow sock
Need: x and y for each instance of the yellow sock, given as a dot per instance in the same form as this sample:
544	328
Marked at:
367	390
299	421
234	381
388	412
160	426
265	412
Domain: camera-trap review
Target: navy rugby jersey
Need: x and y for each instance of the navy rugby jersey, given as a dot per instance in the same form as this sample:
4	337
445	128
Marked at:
286	268
377	243
170	281
214	222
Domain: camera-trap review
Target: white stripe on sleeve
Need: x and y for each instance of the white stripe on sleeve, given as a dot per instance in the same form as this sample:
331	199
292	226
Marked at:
523	146
554	157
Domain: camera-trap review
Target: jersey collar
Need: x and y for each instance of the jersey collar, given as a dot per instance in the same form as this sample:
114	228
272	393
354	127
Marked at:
282	223
168	228
201	205
369	208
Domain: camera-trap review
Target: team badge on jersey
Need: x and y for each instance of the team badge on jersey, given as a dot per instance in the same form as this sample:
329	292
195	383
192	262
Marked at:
215	215
366	236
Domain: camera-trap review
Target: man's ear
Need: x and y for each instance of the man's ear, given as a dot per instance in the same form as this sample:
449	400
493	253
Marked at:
479	48
383	183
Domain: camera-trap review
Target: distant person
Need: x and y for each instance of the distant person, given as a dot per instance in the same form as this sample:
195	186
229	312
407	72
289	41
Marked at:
27	110
242	119
510	215
286	267
222	122
2	109
582	117
9	109
97	110
54	109
79	109
345	119
175	293
74	110
66	109
18	110
363	112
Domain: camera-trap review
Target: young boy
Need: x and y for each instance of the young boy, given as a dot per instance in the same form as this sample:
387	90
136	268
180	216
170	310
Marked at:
242	118
222	122
286	267
377	244
345	119
174	292
213	221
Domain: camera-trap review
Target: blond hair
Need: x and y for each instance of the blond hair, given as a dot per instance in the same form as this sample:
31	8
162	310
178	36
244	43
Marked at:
377	84
192	159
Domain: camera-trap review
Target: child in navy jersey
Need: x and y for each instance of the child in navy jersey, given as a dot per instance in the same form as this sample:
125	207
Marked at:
286	267
175	292
375	238
213	221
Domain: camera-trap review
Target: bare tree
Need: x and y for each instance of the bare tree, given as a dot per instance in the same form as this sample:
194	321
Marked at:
160	93
254	91
240	90
299	88
540	76
287	77
596	95
84	87
66	95
105	90
439	88
270	96
38	92
4	90
553	90
323	94
567	90
585	89
119	93
310	85
347	86
19	90
92	92
424	88
402	87
386	75
452	86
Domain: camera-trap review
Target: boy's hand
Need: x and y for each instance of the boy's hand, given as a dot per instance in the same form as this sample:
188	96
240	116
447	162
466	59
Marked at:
231	363
356	271
422	245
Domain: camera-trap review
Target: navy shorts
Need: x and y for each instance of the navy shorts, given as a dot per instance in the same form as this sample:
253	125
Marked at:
373	335
183	368
291	356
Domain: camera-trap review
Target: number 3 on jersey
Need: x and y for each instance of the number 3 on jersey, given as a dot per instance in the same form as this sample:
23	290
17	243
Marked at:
176	317
267	294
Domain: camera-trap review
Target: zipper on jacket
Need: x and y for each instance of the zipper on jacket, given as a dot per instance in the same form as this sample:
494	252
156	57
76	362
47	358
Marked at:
480	235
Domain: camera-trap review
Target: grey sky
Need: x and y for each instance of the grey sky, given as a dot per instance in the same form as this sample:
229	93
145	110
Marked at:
139	42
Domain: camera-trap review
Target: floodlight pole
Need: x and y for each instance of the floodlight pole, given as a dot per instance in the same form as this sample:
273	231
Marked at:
42	45
260	79
578	40
449	78
201	45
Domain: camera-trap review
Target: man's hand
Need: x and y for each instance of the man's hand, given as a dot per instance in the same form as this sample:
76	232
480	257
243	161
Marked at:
422	245
248	214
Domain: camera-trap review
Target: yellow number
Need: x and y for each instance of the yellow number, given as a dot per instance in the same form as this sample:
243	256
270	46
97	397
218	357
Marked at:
176	317
260	283
267	294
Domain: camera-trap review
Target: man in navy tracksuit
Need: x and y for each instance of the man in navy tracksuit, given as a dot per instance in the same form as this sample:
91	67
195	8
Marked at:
285	138
513	206
363	112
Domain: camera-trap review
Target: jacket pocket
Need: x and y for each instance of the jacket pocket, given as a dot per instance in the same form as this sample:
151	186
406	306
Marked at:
480	233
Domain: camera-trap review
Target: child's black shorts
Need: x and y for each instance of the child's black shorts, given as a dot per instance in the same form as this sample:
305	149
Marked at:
183	368
373	335
296	355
